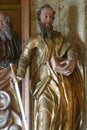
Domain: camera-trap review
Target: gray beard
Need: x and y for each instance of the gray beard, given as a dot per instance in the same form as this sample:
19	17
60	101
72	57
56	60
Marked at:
46	31
5	33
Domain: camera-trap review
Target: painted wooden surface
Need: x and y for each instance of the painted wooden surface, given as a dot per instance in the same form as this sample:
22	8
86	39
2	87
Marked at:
13	8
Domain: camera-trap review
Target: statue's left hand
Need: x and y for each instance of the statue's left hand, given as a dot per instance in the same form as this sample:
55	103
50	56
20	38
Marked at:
66	67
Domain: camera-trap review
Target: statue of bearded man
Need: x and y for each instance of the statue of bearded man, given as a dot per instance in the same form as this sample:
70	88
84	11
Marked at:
57	86
10	49
10	43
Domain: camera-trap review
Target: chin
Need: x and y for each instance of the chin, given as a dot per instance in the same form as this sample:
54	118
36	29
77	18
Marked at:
47	25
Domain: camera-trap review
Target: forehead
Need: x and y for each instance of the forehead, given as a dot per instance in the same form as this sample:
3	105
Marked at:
46	11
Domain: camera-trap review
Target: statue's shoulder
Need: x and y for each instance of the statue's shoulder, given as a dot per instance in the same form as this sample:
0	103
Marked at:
34	37
15	35
16	38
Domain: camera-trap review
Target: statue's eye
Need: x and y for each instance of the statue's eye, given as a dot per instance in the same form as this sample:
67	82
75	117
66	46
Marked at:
46	16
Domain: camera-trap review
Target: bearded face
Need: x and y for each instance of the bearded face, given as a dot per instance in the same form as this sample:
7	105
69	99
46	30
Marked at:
46	31
5	33
45	18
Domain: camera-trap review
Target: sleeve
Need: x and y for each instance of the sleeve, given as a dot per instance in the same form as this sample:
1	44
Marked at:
68	49
25	57
15	46
72	53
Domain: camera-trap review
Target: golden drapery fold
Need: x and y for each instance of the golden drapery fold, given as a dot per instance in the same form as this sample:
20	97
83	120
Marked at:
58	100
61	105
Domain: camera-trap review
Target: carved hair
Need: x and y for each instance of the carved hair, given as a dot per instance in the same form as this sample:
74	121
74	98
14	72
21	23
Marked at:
43	7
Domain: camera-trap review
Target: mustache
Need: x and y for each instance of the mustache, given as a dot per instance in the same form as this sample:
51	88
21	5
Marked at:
5	33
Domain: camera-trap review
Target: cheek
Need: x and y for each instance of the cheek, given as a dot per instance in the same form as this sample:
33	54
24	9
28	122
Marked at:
5	23
43	19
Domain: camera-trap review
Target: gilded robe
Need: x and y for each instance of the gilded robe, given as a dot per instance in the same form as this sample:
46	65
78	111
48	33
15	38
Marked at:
58	100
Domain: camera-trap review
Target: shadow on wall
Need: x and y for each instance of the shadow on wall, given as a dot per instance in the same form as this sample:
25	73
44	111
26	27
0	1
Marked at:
73	35
74	38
